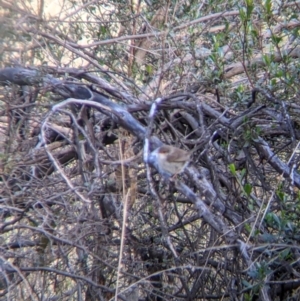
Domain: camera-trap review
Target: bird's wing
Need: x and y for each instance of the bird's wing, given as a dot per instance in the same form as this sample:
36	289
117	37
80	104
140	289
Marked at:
184	156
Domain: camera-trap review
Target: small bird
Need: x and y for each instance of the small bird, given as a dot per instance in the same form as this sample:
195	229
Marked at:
169	160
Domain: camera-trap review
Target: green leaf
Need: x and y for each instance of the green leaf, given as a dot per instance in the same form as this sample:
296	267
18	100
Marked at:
276	40
285	254
103	30
149	69
250	8
246	283
232	169
267	59
268	6
248	227
280	195
248	188
242	13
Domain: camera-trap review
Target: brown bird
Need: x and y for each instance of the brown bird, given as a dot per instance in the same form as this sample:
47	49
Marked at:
169	160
